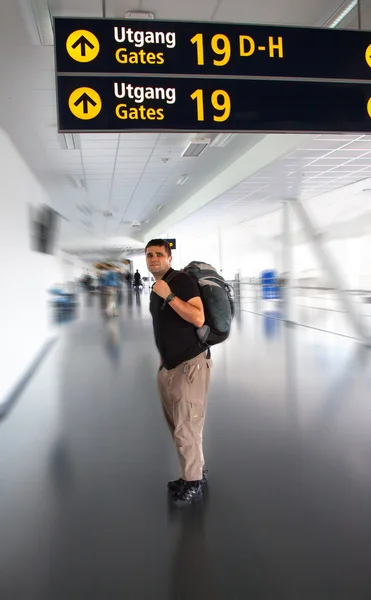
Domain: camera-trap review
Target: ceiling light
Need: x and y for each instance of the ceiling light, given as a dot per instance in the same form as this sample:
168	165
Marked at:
221	140
138	14
340	14
160	206
135	225
182	180
38	21
195	147
69	141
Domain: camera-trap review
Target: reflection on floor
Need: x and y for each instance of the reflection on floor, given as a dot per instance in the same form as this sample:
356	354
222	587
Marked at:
317	310
85	456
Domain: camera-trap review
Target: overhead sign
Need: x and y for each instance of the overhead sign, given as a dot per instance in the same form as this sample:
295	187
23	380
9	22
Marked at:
84	103
184	104
172	243
82	46
221	49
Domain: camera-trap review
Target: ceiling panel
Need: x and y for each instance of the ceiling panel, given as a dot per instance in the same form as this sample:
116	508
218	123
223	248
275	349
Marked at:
261	192
76	8
283	12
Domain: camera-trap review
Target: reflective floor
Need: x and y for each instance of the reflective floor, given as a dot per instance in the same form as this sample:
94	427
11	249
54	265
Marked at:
85	457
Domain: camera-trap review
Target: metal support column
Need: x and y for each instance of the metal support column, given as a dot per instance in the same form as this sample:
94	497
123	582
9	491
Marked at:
332	270
287	264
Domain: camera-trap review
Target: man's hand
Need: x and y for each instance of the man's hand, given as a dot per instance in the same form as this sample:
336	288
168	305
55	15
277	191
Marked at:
162	289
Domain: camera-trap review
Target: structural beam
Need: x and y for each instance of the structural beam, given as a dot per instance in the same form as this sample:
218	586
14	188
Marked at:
287	261
334	273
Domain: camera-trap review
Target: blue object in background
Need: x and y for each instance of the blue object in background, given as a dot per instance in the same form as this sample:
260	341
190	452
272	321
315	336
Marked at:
269	285
112	279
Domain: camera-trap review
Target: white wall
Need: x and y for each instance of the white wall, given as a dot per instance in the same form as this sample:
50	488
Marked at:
25	274
71	267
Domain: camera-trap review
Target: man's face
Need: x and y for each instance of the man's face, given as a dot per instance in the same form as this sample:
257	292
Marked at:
158	262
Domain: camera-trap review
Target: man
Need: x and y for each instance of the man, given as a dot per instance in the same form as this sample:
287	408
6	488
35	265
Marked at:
137	279
184	373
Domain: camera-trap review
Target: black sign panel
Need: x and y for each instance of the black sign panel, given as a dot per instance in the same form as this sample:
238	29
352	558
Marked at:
174	104
172	243
156	47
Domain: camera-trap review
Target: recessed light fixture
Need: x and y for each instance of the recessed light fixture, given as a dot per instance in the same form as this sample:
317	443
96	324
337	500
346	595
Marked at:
340	14
221	140
69	141
182	180
38	21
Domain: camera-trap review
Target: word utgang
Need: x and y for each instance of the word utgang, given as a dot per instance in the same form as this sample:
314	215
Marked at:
141	93
139	38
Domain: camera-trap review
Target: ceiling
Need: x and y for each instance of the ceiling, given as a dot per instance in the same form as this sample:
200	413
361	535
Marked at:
111	181
322	165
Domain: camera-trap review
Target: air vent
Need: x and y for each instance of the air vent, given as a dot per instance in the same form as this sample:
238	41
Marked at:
139	14
135	225
107	214
196	147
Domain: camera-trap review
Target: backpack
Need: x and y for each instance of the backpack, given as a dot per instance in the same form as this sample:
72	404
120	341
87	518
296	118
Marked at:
217	298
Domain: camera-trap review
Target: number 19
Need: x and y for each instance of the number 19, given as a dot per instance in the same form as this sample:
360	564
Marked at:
224	105
220	45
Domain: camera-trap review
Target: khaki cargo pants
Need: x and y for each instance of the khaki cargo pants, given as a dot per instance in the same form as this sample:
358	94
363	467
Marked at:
183	392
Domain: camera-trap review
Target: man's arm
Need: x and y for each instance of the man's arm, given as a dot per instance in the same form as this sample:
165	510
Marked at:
191	311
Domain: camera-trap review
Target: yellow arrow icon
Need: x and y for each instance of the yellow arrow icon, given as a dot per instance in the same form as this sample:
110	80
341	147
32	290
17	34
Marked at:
85	103
368	55
82	45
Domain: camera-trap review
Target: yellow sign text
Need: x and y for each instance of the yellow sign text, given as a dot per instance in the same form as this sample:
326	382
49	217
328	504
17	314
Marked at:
140	113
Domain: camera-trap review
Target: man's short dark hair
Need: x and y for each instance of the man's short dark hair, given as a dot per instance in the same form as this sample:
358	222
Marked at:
161	243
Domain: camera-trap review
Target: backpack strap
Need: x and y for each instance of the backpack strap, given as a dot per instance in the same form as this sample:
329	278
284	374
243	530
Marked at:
168	279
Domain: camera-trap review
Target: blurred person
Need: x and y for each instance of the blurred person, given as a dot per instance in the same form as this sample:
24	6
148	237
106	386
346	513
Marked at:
137	279
87	281
184	372
112	284
129	279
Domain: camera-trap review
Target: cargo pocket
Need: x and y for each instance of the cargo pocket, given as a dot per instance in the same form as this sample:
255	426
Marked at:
195	398
196	412
193	372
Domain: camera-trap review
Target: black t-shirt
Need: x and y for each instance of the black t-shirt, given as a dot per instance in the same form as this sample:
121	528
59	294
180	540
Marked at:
176	339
